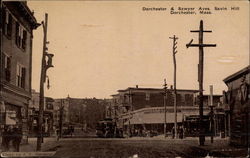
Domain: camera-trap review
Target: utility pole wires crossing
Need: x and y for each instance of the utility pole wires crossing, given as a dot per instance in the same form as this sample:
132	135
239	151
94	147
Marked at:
201	45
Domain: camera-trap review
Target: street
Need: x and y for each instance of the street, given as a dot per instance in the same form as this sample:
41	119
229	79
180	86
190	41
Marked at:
140	147
129	79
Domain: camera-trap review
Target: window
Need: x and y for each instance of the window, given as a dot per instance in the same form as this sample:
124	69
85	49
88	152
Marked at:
24	40
21	36
7	28
188	99
7	67
18	34
147	96
21	74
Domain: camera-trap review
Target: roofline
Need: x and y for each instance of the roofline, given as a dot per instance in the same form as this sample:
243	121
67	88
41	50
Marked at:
32	17
114	95
156	89
162	107
243	71
24	7
214	95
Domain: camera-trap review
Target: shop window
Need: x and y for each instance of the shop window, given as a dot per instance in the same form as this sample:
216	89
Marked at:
188	99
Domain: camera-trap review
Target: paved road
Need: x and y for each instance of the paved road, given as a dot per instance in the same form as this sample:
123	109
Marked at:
139	147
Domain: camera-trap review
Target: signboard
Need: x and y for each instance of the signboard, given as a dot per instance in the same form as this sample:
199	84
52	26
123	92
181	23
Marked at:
23	112
10	117
2	106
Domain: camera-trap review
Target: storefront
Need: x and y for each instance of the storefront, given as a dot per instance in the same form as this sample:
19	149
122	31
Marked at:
153	119
14	113
237	98
47	123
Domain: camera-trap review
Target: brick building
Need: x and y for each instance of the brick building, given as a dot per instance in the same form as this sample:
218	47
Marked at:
17	23
144	108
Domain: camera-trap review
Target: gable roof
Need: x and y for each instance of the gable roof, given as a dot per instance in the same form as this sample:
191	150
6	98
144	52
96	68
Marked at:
237	75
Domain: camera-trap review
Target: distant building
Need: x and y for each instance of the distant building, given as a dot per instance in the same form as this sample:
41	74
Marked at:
47	115
80	112
237	99
18	23
143	108
71	110
59	104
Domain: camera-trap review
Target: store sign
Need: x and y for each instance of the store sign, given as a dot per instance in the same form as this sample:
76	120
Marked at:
2	106
23	112
10	117
34	122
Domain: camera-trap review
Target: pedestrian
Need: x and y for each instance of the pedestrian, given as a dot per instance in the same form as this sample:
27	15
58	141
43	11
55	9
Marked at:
173	132
17	137
57	133
178	132
5	139
73	129
181	132
184	132
106	131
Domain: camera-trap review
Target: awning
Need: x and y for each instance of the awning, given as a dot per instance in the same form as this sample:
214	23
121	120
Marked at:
153	118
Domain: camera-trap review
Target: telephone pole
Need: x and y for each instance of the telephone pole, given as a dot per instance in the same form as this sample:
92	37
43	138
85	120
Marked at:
61	109
201	45
165	108
175	94
131	112
211	113
46	63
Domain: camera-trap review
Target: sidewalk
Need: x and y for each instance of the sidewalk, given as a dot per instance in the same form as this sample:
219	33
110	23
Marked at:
48	142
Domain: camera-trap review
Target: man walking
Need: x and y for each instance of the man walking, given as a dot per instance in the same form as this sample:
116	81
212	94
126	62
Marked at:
17	137
173	132
6	138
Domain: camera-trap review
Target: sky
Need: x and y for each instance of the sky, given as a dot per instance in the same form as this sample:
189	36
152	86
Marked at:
103	46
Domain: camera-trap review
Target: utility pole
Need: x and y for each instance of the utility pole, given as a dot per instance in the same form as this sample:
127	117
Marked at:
2	106
131	111
211	113
201	45
1	56
61	109
46	63
175	94
165	108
